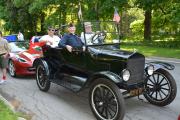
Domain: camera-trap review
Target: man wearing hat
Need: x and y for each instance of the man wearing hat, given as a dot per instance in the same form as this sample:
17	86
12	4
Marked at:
71	40
88	33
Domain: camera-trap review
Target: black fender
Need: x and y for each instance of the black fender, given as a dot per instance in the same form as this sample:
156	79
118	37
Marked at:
105	74
161	65
37	61
41	61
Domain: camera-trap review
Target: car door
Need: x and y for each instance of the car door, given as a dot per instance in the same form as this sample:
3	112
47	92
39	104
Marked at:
75	59
75	69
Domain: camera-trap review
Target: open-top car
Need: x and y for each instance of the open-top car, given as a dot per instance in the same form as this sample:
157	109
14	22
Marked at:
110	74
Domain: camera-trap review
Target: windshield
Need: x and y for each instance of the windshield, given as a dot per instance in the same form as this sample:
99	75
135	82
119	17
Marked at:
18	46
99	33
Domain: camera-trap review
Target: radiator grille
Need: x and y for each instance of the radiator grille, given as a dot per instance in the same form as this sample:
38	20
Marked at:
136	66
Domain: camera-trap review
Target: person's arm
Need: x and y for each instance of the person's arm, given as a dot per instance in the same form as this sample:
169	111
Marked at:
82	37
43	40
8	49
63	41
82	42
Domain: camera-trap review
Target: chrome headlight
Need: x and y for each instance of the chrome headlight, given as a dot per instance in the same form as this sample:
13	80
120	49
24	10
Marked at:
150	70
126	74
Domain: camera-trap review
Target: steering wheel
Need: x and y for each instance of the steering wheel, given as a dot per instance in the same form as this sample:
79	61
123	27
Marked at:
99	37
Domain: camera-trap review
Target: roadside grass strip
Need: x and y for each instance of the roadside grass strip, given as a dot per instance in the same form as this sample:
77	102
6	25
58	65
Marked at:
154	51
6	113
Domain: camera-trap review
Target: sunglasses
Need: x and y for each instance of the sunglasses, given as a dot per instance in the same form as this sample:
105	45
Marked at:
51	30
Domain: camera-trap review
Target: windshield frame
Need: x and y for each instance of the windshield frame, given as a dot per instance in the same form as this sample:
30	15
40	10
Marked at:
16	48
117	32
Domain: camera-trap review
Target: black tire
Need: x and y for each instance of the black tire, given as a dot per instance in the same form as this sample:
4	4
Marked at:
42	76
11	68
160	88
104	91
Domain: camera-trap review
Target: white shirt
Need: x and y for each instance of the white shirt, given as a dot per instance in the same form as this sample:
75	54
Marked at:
55	40
20	37
88	38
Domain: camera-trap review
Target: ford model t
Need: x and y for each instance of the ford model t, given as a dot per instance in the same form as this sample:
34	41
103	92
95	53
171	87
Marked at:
111	74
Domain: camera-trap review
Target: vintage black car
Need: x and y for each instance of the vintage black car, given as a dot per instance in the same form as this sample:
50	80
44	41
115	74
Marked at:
110	74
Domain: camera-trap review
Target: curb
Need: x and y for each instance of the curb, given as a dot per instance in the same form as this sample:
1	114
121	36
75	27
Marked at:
10	106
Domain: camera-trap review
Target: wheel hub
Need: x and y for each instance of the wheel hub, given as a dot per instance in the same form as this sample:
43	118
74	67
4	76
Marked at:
101	103
157	87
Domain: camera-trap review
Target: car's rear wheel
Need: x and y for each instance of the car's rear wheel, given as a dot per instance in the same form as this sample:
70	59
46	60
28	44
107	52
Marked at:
42	76
106	100
11	68
160	88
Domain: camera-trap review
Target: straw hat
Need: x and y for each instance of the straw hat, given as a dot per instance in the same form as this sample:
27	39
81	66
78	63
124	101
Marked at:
86	24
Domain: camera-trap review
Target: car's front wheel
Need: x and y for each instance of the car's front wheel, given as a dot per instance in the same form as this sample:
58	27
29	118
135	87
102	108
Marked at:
11	68
106	100
42	76
160	88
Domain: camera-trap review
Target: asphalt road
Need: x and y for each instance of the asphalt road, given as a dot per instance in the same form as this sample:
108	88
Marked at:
61	104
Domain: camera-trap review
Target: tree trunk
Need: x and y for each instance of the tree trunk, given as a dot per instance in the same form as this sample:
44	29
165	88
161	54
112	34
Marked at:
63	9
97	11
42	18
147	26
34	24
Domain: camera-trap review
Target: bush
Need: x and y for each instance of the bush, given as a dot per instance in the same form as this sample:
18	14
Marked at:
137	28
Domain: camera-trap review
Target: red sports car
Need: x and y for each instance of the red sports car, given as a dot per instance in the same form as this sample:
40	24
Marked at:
22	56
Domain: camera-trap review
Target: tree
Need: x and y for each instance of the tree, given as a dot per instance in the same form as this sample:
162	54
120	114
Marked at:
148	6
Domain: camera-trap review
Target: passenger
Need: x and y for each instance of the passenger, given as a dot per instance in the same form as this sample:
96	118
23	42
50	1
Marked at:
71	40
4	54
88	33
50	39
20	36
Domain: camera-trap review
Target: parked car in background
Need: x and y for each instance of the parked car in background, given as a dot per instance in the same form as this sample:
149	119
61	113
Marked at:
11	38
21	58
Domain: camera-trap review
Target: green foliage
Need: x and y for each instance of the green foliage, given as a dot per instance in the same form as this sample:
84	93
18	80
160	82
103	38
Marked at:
137	26
97	9
33	16
166	20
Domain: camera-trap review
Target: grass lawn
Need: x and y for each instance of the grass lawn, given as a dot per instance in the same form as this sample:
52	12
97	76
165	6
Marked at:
6	113
154	51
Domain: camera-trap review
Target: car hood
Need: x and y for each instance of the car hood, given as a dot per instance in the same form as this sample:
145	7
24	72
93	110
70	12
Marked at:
108	53
27	56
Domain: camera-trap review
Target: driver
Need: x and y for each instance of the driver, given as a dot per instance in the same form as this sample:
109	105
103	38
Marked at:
88	33
71	40
91	37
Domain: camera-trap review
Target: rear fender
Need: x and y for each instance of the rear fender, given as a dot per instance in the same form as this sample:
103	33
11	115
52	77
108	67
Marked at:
41	61
161	65
37	61
105	74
